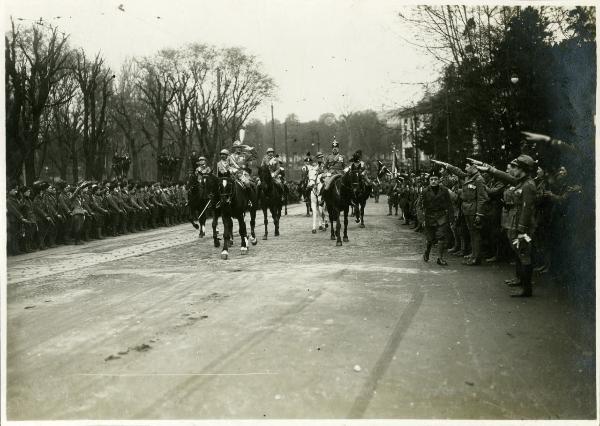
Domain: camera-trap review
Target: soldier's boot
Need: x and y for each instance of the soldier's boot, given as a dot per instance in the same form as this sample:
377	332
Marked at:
99	233
442	251
526	289
427	251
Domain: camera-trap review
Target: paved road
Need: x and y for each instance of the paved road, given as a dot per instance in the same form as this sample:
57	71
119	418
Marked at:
155	325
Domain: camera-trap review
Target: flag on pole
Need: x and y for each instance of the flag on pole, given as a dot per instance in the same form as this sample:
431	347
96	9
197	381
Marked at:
396	164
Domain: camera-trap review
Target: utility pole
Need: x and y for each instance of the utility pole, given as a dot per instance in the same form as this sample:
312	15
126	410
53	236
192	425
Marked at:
447	126
218	132
273	127
285	141
415	140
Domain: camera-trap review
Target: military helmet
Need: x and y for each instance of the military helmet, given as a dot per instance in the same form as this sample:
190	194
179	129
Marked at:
319	154
270	150
224	151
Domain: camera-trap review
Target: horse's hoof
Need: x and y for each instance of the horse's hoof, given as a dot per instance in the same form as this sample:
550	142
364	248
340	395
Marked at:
346	239
253	241
277	233
333	238
217	243
321	228
326	225
224	255
202	234
244	250
314	231
357	220
362	225
338	243
264	237
195	226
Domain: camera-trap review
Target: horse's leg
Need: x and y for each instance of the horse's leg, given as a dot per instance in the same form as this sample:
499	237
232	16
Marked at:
226	236
243	234
202	220
331	221
266	222
276	214
253	224
315	211
338	226
362	213
215	221
345	224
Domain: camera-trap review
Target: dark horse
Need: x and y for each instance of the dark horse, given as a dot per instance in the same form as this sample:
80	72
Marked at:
338	198
233	203
271	198
202	202
361	191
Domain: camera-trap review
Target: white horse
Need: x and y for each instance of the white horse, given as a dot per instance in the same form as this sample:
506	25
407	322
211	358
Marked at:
318	212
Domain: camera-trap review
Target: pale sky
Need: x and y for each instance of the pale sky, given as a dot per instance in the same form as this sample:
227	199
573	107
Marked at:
325	55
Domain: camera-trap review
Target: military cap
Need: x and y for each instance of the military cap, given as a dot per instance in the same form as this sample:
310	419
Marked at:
270	150
224	151
201	158
525	162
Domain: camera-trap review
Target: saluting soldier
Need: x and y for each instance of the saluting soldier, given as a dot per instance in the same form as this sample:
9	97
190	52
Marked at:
523	222
437	212
473	198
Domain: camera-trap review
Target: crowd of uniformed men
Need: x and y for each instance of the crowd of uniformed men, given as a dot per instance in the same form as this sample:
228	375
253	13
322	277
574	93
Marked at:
51	213
486	215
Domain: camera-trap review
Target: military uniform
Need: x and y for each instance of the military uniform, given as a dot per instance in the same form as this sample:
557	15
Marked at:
437	211
334	166
473	199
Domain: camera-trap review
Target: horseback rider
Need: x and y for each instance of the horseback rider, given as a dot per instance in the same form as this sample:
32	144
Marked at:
272	163
356	163
202	168
229	165
335	163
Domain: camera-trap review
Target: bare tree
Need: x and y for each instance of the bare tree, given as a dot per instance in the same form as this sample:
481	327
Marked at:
36	60
158	89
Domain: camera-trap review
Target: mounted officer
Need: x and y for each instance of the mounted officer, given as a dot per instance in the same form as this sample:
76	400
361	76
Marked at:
202	169
335	163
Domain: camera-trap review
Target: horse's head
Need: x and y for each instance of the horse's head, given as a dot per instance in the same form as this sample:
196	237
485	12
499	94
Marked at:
312	177
355	179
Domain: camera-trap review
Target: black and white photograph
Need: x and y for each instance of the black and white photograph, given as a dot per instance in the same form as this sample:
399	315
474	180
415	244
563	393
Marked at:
321	211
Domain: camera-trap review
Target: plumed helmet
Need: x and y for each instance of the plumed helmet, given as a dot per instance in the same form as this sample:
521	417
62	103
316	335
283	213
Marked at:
335	143
224	151
237	143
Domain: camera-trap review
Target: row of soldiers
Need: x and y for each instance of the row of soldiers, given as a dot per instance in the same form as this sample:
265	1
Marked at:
47	214
488	214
